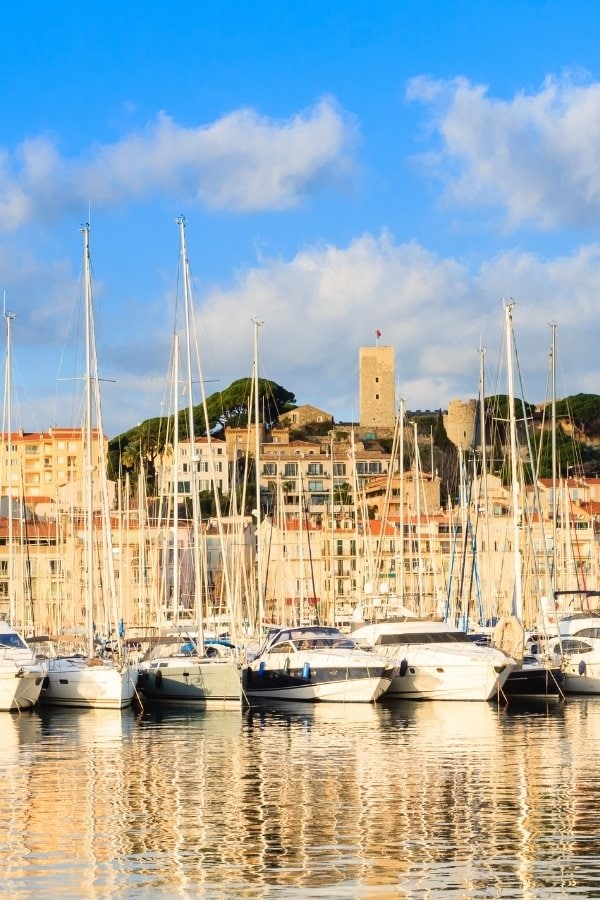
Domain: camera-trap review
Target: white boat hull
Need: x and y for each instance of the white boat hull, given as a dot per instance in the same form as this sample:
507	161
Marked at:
20	687
448	681
586	681
315	677
21	673
99	684
354	690
435	661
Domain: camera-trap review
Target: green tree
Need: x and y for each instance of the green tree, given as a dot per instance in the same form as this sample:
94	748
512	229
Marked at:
139	447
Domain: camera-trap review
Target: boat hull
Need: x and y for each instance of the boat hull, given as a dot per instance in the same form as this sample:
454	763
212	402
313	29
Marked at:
20	687
447	681
581	678
204	682
534	680
435	661
79	682
333	683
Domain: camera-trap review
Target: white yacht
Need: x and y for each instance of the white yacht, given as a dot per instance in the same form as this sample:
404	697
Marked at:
21	673
580	649
436	661
315	663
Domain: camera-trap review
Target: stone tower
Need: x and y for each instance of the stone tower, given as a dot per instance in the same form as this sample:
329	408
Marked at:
376	390
461	423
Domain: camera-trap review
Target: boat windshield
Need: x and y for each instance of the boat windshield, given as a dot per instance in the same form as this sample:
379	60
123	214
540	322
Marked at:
313	638
423	637
587	633
12	640
572	645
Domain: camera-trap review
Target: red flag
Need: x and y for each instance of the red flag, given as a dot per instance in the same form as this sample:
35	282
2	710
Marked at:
377	333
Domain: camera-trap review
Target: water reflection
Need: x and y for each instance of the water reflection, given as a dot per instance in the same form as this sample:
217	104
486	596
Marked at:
416	799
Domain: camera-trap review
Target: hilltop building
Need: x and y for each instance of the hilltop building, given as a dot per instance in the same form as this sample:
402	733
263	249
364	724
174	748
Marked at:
306	415
460	423
376	389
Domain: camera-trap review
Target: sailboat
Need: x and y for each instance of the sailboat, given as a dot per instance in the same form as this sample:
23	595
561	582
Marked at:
200	672
21	673
532	677
92	680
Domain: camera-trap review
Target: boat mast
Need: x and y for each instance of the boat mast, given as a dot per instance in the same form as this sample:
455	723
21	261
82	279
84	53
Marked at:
401	499
89	466
492	601
516	511
198	606
8	317
175	597
554	480
259	567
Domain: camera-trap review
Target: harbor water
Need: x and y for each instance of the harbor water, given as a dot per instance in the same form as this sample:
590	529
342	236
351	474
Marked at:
400	800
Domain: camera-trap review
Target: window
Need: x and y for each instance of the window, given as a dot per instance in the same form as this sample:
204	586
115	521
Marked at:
315	468
315	485
339	468
270	468
31	449
290	469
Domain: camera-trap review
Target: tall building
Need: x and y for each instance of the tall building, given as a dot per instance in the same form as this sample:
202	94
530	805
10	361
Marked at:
39	464
376	395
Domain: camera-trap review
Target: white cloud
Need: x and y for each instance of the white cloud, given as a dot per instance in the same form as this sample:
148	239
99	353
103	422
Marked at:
536	156
318	308
242	162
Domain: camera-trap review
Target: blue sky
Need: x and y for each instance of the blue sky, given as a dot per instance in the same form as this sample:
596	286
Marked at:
342	167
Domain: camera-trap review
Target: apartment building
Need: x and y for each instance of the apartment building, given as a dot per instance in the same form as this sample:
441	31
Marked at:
211	467
39	463
322	474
